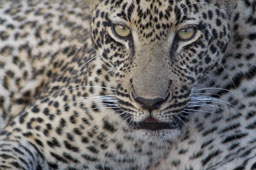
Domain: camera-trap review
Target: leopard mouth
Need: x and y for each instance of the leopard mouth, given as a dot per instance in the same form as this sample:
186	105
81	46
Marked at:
150	123
153	124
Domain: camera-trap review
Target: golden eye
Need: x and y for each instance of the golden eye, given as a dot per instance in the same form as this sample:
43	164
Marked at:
186	34
121	31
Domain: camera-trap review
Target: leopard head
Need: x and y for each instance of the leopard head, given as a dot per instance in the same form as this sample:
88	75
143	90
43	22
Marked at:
158	51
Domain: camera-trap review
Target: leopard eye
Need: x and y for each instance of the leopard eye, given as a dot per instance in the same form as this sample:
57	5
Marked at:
186	34
121	31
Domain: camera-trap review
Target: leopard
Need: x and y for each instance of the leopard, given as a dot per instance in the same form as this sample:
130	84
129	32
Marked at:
127	84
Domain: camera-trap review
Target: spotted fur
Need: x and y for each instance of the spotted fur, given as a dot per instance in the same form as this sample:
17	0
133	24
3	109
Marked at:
76	95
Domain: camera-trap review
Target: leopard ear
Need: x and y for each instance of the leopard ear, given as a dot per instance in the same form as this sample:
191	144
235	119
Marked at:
228	5
92	3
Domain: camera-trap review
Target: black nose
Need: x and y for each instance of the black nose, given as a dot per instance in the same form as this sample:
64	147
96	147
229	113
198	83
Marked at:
149	104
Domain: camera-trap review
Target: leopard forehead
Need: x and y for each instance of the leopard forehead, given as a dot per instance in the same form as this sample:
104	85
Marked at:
153	20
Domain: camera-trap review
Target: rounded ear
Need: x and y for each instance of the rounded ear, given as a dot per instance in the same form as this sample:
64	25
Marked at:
92	3
228	5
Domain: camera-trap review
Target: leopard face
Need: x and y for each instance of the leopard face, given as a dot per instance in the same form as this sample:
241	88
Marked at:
158	51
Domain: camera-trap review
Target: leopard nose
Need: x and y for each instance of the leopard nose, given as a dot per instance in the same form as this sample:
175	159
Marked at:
149	104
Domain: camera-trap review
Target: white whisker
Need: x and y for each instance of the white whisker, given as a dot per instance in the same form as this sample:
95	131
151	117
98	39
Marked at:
203	105
179	118
212	88
91	59
99	99
205	94
194	110
210	99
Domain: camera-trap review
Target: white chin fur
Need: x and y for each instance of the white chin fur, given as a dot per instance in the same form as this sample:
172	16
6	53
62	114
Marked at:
165	135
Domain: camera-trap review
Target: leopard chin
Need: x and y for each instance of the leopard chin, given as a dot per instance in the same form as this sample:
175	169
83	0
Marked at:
168	135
